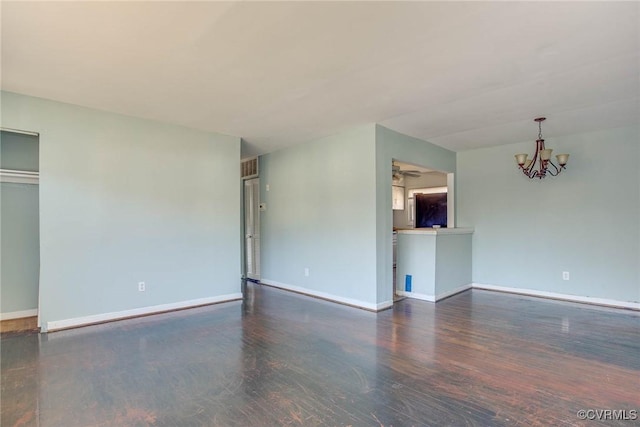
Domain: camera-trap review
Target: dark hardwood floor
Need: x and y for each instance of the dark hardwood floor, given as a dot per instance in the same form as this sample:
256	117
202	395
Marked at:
476	359
19	326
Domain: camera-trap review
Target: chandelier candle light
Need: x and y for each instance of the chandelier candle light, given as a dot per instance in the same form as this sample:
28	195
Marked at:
539	166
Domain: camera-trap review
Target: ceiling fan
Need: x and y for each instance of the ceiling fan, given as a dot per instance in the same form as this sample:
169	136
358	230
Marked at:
397	173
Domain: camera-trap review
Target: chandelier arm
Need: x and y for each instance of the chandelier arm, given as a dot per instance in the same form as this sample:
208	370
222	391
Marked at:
558	170
538	158
531	173
528	174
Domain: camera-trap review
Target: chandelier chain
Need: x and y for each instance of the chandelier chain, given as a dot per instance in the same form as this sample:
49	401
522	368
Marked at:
540	130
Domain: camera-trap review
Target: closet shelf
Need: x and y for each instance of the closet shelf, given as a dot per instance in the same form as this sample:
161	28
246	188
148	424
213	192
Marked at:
19	176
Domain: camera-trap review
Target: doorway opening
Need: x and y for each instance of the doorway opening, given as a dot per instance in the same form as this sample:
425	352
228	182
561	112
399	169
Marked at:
421	198
252	229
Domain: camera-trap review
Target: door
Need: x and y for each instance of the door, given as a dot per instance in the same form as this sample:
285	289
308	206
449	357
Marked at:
252	228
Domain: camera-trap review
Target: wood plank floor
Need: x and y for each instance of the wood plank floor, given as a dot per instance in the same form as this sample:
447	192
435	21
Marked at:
19	326
277	358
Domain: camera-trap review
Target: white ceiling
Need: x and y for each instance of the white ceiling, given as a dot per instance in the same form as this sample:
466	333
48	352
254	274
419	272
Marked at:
459	74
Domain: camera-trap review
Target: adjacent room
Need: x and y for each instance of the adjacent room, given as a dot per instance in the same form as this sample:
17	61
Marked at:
319	213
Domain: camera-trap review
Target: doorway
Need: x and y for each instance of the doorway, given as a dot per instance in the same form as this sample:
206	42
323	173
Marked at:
252	229
410	180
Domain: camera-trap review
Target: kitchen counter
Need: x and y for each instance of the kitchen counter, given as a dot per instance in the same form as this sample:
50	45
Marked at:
433	263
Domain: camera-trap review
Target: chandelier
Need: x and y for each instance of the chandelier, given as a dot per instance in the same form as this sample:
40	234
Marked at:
541	163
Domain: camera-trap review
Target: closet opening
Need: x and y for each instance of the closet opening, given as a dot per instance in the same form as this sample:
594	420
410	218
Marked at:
20	226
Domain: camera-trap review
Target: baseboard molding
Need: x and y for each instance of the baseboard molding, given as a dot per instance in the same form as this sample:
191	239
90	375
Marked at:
452	292
436	298
564	297
136	312
329	297
384	305
19	314
423	297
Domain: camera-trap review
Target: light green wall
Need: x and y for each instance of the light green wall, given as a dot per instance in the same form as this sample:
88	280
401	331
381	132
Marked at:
584	221
321	215
392	145
124	200
329	209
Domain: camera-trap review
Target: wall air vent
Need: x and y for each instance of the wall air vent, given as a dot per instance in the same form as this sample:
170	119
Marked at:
249	168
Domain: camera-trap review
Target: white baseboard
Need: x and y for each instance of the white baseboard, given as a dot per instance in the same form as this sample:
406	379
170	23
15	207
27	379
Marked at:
328	297
436	298
454	291
563	297
384	305
19	314
143	311
441	296
423	297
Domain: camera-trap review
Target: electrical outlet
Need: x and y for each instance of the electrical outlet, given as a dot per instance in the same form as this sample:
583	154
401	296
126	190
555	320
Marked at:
306	272
565	275
141	287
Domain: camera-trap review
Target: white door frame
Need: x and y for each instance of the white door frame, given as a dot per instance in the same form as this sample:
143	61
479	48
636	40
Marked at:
252	228
32	178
